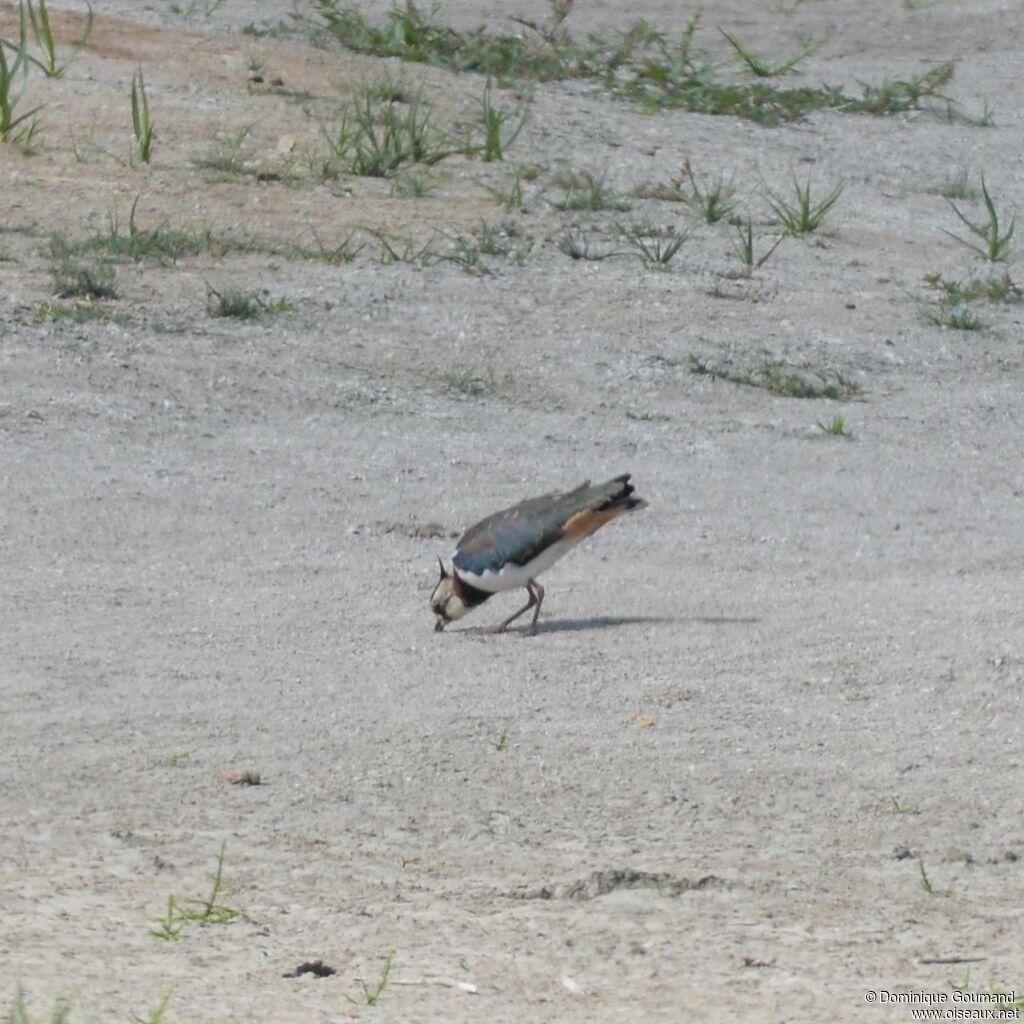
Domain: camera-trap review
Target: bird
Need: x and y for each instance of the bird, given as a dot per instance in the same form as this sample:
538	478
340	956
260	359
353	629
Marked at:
511	548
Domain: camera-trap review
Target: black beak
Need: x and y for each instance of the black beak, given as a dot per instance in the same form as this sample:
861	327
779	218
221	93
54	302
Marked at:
439	625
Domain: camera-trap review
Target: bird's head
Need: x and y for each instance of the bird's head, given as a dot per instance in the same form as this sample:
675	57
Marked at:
446	602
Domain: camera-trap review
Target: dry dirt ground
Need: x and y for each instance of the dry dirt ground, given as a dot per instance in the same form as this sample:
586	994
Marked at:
754	714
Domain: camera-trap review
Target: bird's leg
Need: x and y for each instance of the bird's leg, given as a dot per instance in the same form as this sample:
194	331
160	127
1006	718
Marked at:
538	592
535	599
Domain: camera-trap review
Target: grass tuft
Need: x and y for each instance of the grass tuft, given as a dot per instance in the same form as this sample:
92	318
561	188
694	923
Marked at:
241	305
208	910
78	277
230	155
161	244
344	251
927	885
766	69
772	377
472	384
995	243
1001	288
176	759
372	993
576	246
836	427
19	1011
711	200
956	186
646	417
11	93
510	196
413	184
743	244
157	1014
142	124
956	315
179	913
170	926
374	138
39	19
402	248
496	137
586	191
655	248
81	311
897	97
208	9
506	239
902	808
803	215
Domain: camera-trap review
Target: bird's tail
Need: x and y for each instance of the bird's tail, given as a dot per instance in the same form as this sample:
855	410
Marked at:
600	504
617	493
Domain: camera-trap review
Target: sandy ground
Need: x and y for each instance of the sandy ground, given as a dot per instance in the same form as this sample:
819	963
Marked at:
753	713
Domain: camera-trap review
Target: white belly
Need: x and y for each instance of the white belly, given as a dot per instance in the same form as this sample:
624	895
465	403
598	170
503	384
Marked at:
512	577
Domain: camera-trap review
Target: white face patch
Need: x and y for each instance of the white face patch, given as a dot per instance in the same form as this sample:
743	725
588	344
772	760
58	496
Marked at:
445	603
441	591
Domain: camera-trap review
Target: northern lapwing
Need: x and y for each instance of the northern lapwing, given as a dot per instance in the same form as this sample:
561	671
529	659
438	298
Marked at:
511	548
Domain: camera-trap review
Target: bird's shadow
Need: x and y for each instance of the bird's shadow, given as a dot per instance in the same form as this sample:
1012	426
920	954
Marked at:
612	622
599	622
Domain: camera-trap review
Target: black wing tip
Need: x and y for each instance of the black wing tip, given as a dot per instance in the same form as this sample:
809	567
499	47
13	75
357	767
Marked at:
627	488
617	493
